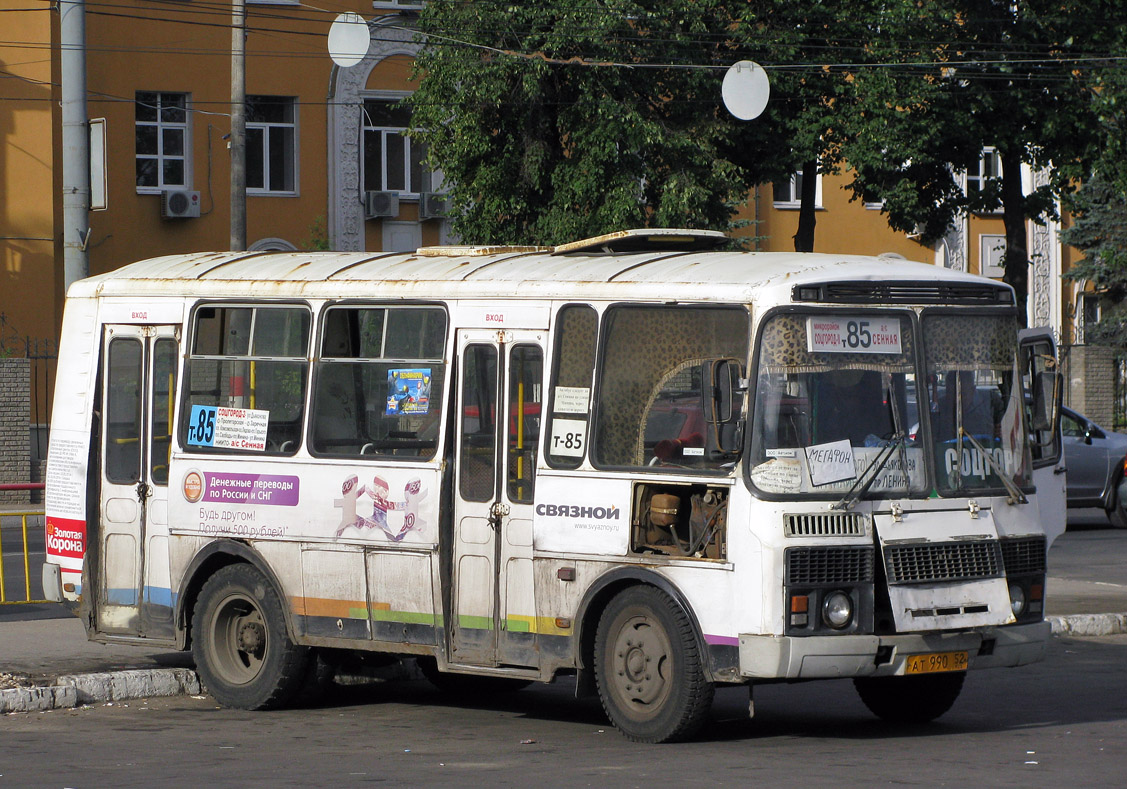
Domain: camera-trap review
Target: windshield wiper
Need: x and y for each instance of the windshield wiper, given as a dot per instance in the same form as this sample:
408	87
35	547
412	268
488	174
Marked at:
876	466
1016	496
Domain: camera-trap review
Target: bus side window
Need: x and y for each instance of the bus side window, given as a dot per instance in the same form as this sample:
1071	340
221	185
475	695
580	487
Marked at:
378	382
251	358
576	339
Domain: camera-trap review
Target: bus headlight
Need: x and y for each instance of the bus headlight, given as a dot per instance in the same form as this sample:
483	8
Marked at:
1017	599
837	610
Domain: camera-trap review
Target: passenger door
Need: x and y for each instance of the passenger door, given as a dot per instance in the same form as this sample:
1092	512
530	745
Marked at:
499	395
139	365
1039	355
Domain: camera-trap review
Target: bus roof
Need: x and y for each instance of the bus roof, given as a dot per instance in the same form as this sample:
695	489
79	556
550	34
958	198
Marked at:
595	269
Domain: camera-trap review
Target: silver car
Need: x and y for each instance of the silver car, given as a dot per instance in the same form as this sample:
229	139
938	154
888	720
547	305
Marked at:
1093	459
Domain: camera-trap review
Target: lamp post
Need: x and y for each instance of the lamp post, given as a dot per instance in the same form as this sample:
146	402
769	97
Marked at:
238	127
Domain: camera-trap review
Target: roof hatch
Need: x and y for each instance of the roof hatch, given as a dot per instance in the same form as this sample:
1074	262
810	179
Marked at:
647	240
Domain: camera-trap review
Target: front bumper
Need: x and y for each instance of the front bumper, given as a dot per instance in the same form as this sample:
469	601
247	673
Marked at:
824	657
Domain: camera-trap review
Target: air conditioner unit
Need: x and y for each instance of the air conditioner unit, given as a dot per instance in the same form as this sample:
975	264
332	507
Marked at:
432	205
179	204
381	204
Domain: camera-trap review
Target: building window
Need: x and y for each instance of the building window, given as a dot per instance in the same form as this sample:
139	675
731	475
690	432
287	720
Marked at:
399	5
789	193
392	162
162	140
271	144
987	169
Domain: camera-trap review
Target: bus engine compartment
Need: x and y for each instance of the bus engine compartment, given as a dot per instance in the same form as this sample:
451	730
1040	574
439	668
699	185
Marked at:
680	520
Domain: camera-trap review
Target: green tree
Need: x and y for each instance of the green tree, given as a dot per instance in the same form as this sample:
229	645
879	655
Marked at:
561	119
1099	209
969	74
805	47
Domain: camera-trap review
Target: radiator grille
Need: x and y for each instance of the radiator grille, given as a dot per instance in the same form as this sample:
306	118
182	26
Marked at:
1024	555
829	565
825	524
945	561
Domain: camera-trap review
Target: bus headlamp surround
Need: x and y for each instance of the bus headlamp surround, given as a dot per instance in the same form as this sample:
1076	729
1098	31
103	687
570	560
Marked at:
1017	599
837	610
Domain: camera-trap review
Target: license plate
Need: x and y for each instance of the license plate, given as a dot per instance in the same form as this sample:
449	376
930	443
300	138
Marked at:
936	662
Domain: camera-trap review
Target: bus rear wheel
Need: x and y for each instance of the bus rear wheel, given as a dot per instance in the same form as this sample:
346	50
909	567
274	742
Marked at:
242	651
910	699
649	669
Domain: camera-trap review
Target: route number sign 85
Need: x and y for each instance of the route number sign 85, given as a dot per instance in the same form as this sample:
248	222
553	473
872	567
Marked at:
568	439
868	334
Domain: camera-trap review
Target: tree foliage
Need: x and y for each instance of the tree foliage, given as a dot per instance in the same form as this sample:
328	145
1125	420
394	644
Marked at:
551	122
1017	77
564	119
1099	227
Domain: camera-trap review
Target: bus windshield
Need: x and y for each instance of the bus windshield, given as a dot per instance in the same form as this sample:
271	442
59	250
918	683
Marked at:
840	405
975	402
835	400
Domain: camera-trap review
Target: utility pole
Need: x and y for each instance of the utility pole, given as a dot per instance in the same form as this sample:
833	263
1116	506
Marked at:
76	140
238	127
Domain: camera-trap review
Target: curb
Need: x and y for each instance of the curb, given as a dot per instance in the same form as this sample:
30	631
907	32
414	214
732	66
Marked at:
75	689
1088	624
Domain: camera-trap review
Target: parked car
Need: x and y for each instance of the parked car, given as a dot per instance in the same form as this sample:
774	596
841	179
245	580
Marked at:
1094	459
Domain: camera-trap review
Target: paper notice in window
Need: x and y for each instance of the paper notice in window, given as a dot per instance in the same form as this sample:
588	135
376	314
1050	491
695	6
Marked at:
571	400
832	462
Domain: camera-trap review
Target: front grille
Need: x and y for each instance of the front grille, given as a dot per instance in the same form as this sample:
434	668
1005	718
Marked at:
834	564
943	561
904	293
825	524
1024	555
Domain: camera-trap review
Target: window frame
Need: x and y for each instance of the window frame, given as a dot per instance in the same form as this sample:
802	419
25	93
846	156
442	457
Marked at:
410	191
599	414
161	125
191	354
983	174
291	155
795	193
399	5
321	362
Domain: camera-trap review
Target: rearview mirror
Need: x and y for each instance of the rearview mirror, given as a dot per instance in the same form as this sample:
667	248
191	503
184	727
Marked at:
1047	394
721	386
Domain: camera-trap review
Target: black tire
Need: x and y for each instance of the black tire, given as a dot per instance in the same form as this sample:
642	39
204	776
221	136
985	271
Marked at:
243	653
318	681
910	699
468	684
649	669
1117	515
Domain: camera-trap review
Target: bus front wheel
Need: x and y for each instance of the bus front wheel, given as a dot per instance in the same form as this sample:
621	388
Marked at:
242	651
649	669
910	699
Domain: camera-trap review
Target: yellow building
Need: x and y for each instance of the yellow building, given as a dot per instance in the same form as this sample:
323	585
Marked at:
327	162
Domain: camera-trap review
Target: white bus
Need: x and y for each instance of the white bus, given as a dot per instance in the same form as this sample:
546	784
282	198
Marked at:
639	458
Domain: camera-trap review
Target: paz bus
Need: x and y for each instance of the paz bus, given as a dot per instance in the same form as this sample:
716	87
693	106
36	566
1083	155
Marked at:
644	459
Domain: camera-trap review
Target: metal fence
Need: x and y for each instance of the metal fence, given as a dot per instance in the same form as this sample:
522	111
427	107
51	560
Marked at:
17	546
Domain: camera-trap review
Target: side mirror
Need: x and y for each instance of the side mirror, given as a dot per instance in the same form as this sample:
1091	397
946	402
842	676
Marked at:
1047	394
721	385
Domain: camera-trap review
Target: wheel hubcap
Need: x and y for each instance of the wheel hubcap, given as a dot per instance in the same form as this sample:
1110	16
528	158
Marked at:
641	656
239	640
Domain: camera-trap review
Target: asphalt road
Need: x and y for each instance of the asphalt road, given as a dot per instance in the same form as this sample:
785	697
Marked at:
1058	723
